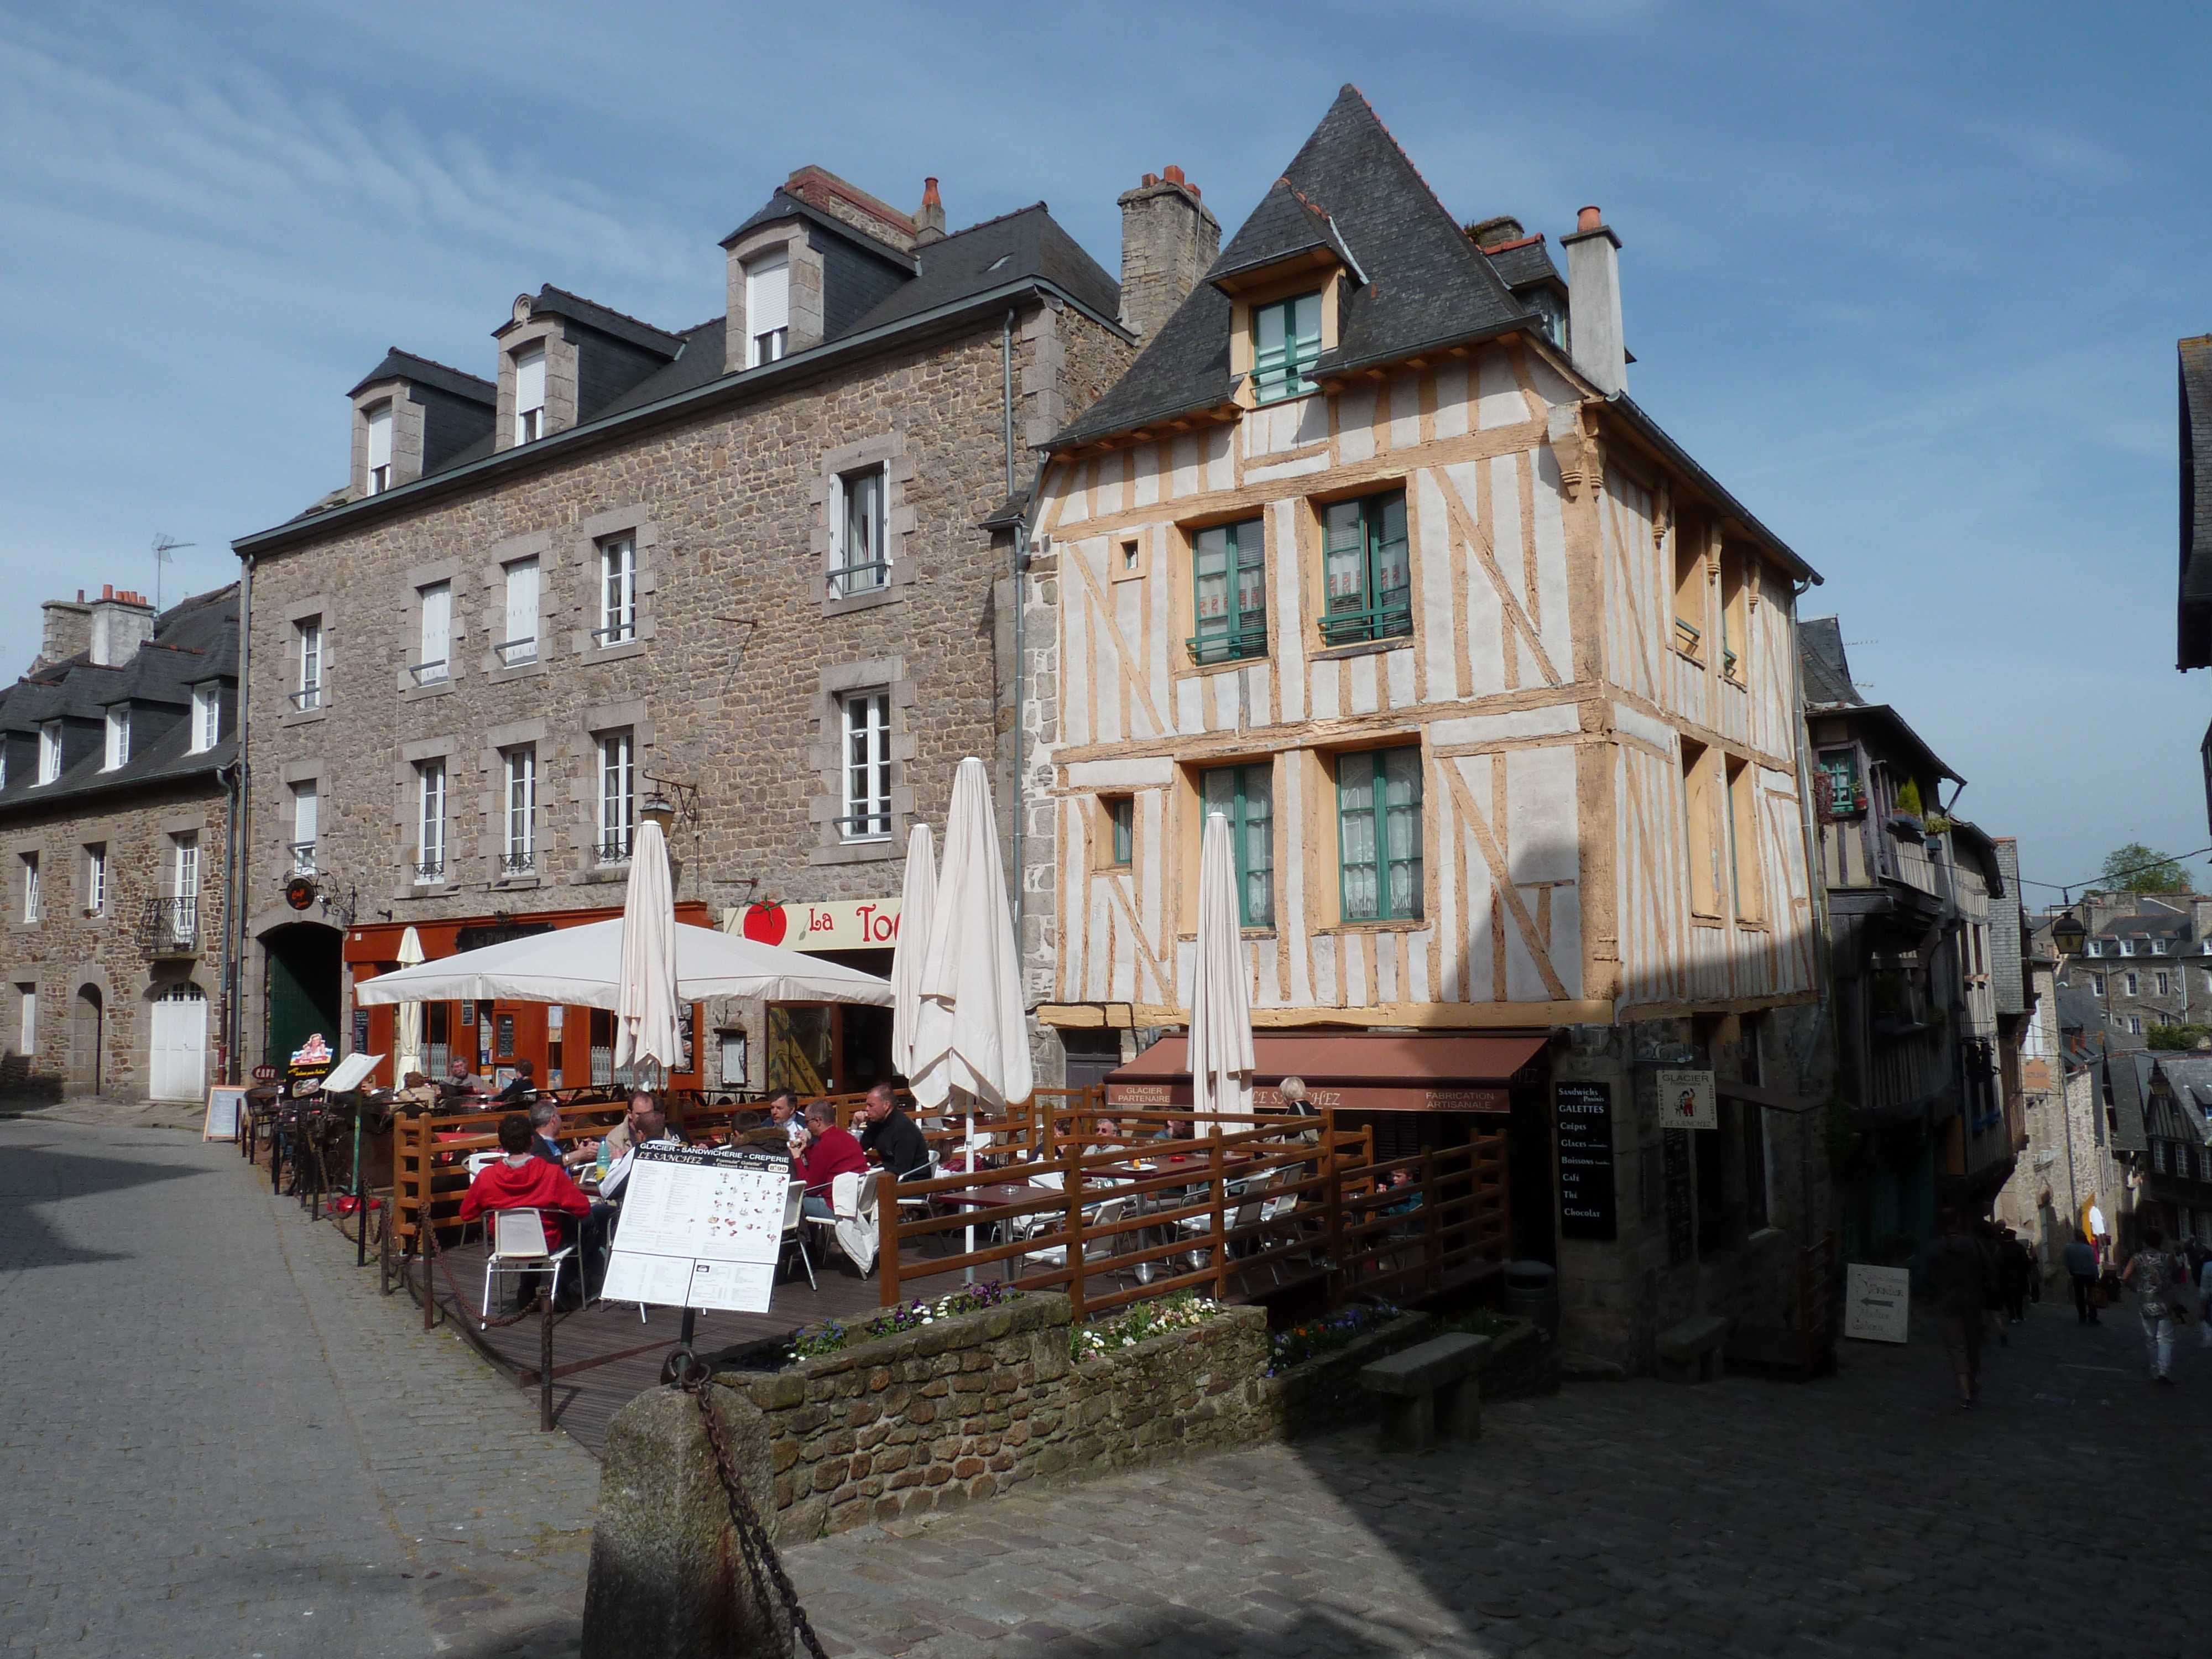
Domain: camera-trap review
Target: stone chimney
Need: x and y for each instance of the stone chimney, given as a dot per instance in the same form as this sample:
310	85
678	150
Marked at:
1169	241
1594	303
121	623
929	217
68	630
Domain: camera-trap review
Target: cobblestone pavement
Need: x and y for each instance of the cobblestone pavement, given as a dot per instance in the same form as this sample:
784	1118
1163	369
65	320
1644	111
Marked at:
1861	1515
215	1437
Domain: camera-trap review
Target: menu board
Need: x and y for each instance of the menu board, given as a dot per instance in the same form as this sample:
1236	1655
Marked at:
1877	1303
1586	1191
700	1229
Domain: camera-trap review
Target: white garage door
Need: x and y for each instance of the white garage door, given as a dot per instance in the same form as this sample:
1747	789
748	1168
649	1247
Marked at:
179	1056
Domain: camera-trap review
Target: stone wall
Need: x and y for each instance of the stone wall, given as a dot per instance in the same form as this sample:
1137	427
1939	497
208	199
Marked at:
977	1404
67	952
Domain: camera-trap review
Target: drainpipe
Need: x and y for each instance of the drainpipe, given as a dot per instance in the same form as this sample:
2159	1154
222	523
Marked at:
1816	888
1006	373
233	940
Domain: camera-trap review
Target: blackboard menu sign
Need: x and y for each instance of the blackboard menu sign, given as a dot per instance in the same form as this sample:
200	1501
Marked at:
1681	1223
1586	1191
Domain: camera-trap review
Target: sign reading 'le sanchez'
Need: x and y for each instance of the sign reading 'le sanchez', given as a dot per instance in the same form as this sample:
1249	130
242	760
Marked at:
1587	1206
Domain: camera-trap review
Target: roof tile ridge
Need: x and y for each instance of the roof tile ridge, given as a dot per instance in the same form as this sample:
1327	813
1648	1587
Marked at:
1000	219
1508	247
586	299
1411	165
401	351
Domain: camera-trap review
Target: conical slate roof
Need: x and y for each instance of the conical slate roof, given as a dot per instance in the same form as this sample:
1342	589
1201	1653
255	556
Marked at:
1417	281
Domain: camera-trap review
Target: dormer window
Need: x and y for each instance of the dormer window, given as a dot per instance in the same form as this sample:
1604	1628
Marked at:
2127	947
379	449
530	394
768	309
207	717
119	736
1286	345
2096	947
50	752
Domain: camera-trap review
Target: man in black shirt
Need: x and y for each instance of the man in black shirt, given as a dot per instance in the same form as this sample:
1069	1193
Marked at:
892	1138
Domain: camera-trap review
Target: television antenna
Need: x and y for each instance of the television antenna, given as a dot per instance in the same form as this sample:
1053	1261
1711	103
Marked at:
164	545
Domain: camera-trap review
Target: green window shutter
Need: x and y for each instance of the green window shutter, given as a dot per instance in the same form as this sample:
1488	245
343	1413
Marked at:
1378	805
1245	796
1229	576
1367	570
1285	345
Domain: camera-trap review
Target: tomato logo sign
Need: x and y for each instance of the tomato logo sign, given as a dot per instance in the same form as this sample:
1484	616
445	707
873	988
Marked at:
766	923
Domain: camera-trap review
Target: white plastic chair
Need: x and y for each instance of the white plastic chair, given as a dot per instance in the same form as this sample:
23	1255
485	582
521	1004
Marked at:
1055	1255
477	1162
517	1246
852	1222
793	1233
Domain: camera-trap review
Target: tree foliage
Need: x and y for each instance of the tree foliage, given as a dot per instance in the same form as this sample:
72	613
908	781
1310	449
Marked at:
2135	868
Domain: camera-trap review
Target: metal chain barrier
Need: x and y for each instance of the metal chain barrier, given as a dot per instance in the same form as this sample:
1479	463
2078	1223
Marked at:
687	1371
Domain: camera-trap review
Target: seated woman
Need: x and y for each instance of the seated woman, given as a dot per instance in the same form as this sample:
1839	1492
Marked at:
523	1181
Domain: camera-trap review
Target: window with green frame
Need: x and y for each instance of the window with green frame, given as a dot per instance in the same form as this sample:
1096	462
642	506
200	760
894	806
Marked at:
1229	573
1367	570
1121	810
1286	343
1378	827
1245	795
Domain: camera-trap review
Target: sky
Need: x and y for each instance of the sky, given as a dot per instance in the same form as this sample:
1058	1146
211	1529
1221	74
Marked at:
1906	278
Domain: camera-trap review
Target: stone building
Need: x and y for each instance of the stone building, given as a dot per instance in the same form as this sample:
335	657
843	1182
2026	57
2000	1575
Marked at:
2172	1166
1912	895
754	567
1370	552
2147	958
118	757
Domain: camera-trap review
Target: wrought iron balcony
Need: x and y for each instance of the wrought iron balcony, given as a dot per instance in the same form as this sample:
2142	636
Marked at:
524	863
614	847
171	927
1381	622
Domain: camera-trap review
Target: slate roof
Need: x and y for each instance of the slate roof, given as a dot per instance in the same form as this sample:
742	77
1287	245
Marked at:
2006	985
399	365
2128	1074
2194	643
194	640
2189	1078
1284	225
1519	264
1425	284
1826	668
1017	251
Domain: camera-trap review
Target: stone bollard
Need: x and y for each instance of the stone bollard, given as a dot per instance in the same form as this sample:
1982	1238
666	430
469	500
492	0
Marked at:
668	1579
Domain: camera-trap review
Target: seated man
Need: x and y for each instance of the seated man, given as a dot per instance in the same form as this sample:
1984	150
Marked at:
827	1153
891	1137
782	1113
545	1126
522	1181
522	1088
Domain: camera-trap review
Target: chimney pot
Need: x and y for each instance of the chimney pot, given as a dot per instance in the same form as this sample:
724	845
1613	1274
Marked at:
1589	219
1173	175
1150	179
107	590
1594	336
929	217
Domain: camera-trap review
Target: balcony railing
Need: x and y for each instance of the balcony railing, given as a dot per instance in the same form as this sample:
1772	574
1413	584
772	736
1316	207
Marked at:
524	863
1381	622
1229	645
848	581
308	698
614	847
303	857
618	633
428	673
513	654
428	869
170	927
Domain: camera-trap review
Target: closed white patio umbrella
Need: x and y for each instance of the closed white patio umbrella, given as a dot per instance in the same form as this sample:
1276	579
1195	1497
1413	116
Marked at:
1221	1059
647	1031
917	903
408	1045
971	1036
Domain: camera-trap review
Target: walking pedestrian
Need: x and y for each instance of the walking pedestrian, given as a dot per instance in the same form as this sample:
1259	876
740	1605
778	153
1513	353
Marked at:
2153	1273
1985	1240
2014	1268
2080	1259
2204	1301
1959	1275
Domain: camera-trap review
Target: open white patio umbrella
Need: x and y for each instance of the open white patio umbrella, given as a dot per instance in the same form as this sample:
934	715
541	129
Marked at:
645	1022
917	903
407	1055
581	968
972	1033
1221	1060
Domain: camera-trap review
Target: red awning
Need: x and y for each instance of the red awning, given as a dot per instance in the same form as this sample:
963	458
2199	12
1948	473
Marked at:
1394	1071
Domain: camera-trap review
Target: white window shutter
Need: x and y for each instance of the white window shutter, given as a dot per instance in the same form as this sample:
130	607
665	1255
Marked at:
530	379
304	806
379	436
768	302
522	607
437	623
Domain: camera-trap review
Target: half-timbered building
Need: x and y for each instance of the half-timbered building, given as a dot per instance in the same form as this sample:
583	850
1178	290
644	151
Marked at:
1369	552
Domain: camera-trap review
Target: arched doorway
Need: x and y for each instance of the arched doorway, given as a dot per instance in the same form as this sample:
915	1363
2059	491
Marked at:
300	987
177	1053
86	1023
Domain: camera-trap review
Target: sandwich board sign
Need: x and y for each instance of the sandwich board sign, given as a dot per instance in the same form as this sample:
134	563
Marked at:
700	1228
1876	1302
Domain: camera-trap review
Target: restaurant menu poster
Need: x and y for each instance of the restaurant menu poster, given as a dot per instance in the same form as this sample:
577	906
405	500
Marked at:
1587	1209
700	1229
1877	1302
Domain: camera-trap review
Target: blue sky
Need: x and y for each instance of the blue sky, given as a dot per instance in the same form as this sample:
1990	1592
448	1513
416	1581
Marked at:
1907	277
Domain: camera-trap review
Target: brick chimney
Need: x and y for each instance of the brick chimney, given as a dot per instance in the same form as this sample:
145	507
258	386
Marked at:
1599	350
929	217
121	623
1169	239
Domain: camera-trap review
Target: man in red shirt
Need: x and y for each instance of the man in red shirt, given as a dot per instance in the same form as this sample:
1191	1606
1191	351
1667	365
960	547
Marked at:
523	1181
829	1151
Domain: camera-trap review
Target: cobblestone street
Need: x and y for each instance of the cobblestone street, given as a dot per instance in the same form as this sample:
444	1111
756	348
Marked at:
1864	1514
217	1439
